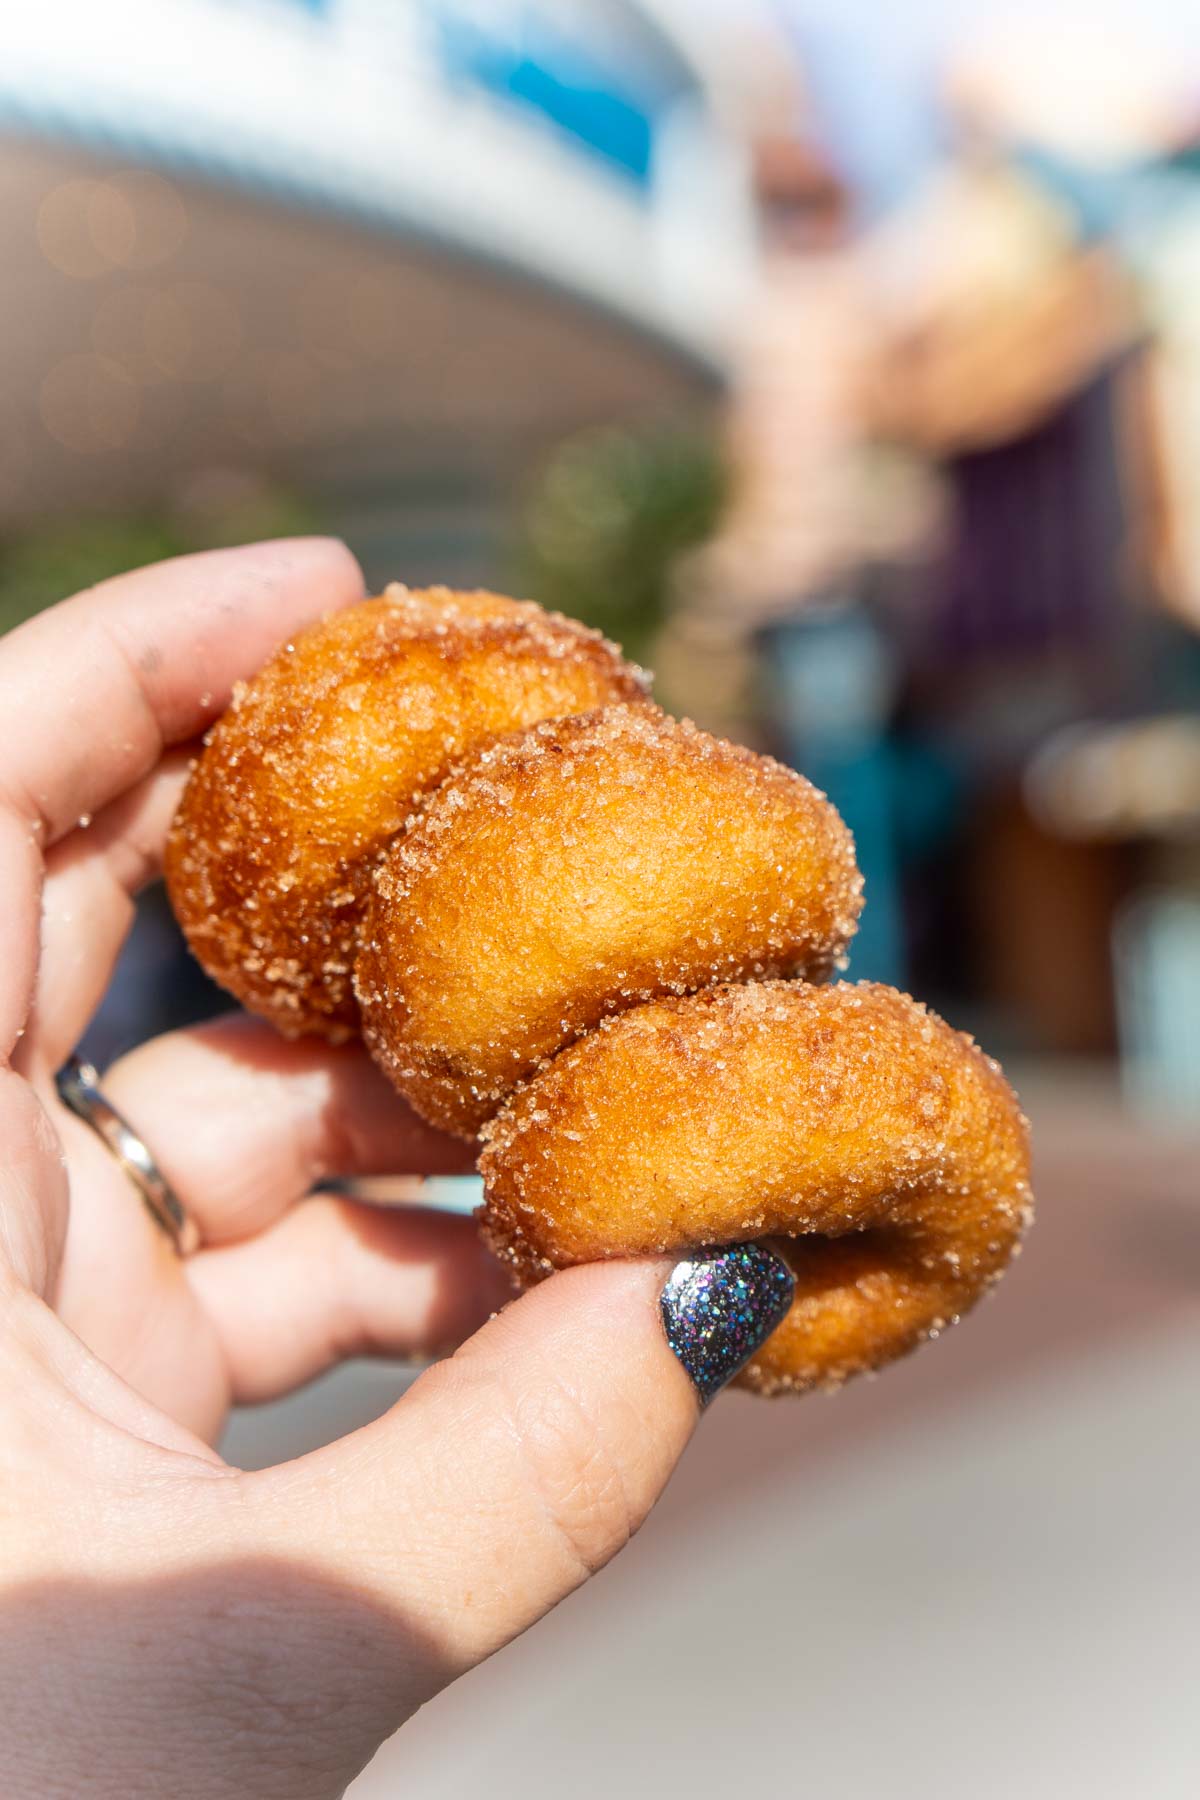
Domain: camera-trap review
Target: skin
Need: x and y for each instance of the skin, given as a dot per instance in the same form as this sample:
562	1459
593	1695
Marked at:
169	1624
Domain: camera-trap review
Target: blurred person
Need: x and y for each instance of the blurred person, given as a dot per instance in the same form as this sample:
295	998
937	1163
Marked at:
779	592
1105	584
1019	352
1014	354
808	504
172	1625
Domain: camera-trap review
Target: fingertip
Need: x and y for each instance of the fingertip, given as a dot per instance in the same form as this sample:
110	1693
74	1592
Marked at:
147	659
600	1316
318	551
584	1364
509	1473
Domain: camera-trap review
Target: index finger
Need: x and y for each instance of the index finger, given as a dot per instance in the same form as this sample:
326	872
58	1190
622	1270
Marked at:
94	689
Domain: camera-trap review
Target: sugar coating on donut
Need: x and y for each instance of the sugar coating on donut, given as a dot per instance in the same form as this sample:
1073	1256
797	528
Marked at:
319	761
575	869
882	1149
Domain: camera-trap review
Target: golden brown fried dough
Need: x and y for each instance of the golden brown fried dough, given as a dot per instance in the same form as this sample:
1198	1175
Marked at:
574	870
319	760
883	1149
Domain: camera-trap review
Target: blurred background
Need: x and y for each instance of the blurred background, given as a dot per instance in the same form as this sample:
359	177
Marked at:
843	363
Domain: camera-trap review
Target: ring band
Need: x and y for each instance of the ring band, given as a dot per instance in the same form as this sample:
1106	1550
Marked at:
79	1090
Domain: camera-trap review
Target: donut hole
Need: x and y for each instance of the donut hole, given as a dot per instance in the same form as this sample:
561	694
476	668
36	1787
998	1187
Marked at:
858	1296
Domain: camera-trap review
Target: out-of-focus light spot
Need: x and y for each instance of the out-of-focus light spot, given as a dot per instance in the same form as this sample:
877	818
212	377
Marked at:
88	227
189	331
65	230
90	403
345	320
157	213
193	332
112	224
1118	781
272	397
120	330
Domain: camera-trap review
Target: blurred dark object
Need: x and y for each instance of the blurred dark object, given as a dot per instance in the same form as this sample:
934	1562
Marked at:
157	986
1033	616
1129	793
1040	913
831	680
609	519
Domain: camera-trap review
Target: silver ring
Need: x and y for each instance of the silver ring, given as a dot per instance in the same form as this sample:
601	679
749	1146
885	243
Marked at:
78	1089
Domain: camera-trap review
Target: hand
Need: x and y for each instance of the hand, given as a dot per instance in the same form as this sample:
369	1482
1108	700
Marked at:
170	1625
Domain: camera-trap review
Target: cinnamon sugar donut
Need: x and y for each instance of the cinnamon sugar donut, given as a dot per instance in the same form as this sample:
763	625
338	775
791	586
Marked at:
573	870
883	1150
591	929
319	760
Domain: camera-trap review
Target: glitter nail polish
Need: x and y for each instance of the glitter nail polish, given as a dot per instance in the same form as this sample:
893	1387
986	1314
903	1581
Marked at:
719	1306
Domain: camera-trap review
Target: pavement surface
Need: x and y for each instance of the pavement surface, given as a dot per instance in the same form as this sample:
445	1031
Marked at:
981	1571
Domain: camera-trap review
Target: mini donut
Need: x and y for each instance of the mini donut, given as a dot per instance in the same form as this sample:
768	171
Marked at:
883	1150
319	760
578	868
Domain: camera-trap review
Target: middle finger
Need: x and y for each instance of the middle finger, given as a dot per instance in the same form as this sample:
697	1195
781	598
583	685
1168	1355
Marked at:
243	1123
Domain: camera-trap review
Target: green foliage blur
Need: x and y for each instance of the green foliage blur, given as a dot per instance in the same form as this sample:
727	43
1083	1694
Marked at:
597	538
608	519
44	564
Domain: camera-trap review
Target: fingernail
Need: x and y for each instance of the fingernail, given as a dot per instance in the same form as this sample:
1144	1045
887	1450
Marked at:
719	1306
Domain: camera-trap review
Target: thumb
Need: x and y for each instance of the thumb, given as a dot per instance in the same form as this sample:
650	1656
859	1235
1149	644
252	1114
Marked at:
510	1473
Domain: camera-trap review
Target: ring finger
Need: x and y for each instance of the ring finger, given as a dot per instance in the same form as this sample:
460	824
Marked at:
242	1124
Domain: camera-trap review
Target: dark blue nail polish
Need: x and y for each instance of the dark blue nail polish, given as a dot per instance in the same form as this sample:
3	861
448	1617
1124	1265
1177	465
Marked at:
719	1306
